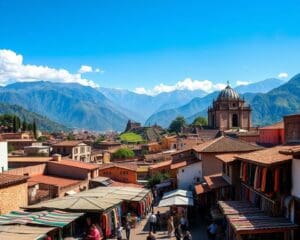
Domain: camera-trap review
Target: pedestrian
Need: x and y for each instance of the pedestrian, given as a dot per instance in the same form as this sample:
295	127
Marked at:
177	232
170	225
212	230
127	229
93	233
119	232
151	236
187	236
183	224
158	219
152	222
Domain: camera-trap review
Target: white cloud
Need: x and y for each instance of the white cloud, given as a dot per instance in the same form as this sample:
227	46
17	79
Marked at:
13	69
99	70
238	83
85	69
186	84
283	75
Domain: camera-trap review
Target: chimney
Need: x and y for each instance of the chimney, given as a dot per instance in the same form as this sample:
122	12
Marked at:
56	157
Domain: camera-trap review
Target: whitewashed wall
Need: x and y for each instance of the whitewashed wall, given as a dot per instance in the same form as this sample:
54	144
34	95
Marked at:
296	178
187	176
3	157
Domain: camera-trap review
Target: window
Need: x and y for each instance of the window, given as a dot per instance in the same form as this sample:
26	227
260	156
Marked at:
224	168
235	120
182	170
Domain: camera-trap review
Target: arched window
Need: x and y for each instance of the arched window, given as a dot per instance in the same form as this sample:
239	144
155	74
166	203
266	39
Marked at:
235	120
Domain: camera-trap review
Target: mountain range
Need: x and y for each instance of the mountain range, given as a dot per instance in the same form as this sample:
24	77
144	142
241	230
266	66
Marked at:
102	109
266	107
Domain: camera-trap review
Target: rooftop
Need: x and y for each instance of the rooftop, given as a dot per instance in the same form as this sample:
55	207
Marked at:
128	166
161	164
72	143
53	180
227	157
29	159
77	164
269	156
279	125
7	180
225	144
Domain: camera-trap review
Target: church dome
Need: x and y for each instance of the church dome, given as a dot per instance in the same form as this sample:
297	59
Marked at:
228	94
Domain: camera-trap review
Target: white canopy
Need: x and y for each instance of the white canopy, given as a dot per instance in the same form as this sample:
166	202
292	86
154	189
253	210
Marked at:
178	192
177	197
176	201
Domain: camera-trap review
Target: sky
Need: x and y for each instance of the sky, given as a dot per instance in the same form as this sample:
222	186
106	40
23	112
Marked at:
149	46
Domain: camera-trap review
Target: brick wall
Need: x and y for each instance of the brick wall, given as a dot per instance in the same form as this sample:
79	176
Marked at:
119	174
29	171
13	197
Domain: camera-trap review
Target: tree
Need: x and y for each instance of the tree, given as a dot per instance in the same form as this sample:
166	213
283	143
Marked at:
24	125
10	148
15	129
70	137
34	129
200	121
177	124
123	153
156	179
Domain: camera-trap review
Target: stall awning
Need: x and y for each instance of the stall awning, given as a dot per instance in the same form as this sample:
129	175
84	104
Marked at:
53	219
23	232
178	192
177	197
237	207
176	201
259	223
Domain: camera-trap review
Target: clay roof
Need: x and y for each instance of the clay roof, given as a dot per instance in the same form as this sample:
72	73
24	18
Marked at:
227	157
269	156
29	159
179	165
211	182
7	180
161	164
77	164
128	166
225	144
215	181
279	125
53	180
72	143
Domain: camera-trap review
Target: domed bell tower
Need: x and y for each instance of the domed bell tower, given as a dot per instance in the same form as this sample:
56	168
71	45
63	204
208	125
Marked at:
229	111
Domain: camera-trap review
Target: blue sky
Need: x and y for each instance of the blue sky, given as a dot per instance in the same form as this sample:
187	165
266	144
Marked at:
143	44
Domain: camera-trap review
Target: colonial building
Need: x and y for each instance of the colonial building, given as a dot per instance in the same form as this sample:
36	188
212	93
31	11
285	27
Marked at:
229	111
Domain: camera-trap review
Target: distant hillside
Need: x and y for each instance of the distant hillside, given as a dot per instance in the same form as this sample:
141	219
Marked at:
260	87
71	104
272	106
43	123
142	105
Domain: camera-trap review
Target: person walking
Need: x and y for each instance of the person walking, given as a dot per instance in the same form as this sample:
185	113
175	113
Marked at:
151	236
170	225
152	222
187	236
127	229
158	219
119	232
177	232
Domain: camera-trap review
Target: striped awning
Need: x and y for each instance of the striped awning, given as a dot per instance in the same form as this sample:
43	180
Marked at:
48	218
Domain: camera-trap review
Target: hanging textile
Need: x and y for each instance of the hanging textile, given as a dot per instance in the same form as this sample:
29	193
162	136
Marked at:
277	180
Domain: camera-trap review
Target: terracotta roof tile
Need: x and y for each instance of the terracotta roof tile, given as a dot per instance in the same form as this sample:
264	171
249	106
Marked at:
128	166
215	181
179	165
225	144
227	157
53	180
77	164
29	159
269	156
161	164
279	125
9	180
202	188
72	143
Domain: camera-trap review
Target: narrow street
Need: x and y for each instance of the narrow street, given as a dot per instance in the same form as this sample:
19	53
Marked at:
198	229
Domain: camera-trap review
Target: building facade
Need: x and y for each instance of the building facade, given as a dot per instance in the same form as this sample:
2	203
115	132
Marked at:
229	111
77	150
3	157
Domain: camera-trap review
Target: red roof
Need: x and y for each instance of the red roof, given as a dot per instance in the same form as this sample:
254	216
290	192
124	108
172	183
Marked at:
53	180
161	164
9	180
279	125
128	166
72	143
77	164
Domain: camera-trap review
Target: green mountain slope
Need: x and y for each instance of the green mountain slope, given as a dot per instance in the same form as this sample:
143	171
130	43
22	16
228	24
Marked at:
43	123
